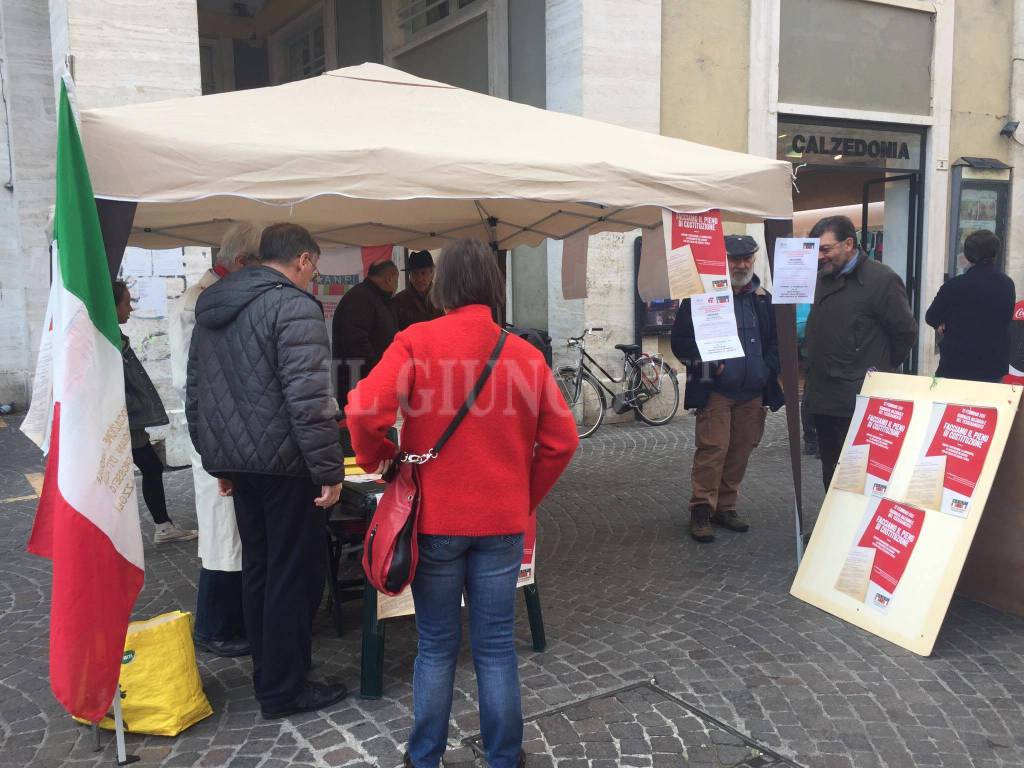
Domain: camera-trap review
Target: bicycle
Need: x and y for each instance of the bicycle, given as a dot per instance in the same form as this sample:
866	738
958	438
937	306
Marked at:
648	386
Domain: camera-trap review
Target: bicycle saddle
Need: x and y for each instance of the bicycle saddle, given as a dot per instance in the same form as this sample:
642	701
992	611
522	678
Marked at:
628	348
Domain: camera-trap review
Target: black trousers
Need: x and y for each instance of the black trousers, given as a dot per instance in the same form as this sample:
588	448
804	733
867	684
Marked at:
219	606
283	566
831	436
152	470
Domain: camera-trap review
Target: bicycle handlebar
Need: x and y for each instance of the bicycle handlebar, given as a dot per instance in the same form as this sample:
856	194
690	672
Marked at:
585	333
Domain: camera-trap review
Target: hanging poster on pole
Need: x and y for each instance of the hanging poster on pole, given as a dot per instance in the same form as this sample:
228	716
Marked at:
875	564
959	437
875	439
714	326
796	270
695	253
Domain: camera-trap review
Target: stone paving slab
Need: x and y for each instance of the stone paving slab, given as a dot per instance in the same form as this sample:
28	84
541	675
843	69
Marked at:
627	597
639	725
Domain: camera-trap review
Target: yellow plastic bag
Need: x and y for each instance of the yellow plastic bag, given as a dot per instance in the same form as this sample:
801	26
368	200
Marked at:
162	692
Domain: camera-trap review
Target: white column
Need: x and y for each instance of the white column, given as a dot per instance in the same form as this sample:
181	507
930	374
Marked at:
763	89
28	140
603	62
936	182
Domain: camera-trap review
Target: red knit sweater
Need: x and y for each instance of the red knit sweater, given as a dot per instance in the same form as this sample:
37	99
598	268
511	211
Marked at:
509	450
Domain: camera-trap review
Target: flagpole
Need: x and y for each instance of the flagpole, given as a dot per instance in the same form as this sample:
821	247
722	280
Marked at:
122	757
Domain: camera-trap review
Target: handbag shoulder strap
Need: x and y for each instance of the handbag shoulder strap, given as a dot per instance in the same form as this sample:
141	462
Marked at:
473	394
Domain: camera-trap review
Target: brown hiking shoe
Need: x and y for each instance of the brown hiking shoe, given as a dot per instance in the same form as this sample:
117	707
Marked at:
700	524
730	519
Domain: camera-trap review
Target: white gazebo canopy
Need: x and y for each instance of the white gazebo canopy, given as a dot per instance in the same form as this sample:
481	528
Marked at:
370	155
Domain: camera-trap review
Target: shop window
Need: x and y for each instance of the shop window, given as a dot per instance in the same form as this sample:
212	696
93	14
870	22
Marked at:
980	200
206	67
305	56
857	55
305	47
416	15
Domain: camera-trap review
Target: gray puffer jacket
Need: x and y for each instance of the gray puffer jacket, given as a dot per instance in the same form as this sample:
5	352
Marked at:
258	389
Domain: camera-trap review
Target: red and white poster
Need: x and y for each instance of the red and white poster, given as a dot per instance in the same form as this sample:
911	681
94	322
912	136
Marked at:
879	427
339	268
875	564
528	570
957	444
695	253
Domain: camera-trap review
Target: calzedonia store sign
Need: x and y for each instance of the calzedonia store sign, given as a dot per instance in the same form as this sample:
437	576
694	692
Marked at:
841	145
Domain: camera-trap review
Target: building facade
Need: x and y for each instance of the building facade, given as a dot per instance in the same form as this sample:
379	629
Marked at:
899	113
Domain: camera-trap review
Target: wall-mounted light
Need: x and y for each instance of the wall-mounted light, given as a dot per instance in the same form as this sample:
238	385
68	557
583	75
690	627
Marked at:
1010	128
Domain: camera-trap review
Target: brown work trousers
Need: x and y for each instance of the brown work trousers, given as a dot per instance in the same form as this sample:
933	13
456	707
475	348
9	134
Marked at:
726	433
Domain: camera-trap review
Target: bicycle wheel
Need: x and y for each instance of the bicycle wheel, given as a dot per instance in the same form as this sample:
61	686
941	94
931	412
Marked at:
655	390
587	404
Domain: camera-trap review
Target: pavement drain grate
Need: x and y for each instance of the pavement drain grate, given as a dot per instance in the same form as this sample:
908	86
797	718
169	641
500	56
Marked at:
640	725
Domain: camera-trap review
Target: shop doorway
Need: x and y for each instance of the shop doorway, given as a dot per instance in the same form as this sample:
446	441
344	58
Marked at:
871	173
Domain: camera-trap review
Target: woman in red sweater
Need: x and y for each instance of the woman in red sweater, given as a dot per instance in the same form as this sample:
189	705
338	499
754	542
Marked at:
477	495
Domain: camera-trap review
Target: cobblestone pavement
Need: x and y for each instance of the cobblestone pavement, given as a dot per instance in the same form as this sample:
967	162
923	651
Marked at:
628	599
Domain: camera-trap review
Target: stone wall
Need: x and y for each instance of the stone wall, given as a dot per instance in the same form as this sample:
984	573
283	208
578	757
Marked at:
27	143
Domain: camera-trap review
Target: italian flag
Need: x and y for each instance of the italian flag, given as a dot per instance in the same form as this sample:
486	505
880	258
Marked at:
88	516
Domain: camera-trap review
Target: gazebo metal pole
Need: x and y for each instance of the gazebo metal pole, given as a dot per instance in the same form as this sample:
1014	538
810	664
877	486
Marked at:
785	321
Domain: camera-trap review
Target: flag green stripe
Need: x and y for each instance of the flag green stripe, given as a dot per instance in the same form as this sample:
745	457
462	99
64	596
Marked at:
83	257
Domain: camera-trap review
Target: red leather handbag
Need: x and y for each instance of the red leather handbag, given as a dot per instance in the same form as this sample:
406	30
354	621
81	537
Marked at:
390	548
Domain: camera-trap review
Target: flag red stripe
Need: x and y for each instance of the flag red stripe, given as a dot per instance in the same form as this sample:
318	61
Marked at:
94	589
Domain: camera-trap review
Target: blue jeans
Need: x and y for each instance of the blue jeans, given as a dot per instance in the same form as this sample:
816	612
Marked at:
486	568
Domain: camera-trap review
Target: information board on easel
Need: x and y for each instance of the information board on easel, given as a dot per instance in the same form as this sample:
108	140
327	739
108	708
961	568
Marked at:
919	464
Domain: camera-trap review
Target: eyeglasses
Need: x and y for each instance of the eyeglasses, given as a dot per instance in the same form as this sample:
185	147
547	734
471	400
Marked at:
825	250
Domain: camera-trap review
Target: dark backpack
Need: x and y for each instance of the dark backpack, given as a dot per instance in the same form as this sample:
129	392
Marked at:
535	337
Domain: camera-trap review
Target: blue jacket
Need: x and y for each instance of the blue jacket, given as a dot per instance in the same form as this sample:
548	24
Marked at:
743	378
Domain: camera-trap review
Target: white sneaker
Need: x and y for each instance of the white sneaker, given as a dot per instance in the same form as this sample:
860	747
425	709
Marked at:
171	532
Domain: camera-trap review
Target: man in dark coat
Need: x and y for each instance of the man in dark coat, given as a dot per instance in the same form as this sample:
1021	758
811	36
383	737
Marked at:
860	321
413	305
262	417
973	311
363	326
731	397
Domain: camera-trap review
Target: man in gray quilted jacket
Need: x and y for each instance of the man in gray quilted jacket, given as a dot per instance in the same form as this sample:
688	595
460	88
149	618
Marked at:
263	418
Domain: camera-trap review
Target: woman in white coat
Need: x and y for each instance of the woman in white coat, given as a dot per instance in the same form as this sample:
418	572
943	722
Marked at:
219	625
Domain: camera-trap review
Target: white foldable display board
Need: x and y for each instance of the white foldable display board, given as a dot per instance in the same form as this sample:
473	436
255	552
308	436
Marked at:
915	608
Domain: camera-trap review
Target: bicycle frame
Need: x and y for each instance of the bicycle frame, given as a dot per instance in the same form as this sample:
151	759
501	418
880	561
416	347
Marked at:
629	361
582	366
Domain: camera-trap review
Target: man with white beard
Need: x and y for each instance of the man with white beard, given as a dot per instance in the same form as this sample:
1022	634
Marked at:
731	397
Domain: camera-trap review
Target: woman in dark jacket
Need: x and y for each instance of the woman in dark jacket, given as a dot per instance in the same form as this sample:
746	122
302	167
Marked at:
973	311
145	409
478	495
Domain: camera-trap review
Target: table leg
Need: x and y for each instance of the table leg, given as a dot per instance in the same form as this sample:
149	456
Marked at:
371	680
532	596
